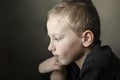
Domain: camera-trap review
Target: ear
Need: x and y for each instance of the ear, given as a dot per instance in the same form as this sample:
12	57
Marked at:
87	38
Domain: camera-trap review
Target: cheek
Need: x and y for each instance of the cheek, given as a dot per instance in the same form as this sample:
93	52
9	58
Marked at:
63	48
68	48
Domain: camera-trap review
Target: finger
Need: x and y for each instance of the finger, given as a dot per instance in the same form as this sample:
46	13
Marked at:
57	67
56	58
58	64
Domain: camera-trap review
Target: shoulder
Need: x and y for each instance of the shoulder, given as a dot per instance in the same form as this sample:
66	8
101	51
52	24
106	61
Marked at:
101	63
101	56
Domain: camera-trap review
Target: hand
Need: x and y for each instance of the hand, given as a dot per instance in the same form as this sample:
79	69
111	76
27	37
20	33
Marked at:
58	75
49	65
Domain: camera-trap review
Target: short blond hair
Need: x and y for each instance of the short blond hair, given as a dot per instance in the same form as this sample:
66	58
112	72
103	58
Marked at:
79	16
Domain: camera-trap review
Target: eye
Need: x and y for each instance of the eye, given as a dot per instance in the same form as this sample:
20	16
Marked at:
57	38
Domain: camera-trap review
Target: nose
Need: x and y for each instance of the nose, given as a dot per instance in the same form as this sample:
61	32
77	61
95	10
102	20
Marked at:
51	47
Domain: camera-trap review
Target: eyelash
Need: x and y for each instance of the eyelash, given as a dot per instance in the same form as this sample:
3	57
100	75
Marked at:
57	39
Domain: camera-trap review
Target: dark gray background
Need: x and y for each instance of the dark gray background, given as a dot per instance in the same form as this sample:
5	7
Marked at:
23	37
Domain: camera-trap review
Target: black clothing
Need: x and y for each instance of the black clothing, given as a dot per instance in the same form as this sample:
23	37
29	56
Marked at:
100	64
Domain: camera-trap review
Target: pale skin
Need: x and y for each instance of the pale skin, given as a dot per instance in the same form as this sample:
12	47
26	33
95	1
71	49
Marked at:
66	47
52	65
49	65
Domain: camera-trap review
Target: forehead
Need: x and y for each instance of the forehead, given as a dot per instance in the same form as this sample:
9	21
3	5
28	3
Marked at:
56	26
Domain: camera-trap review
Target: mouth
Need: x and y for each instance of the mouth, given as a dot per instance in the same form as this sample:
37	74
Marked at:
58	60
55	56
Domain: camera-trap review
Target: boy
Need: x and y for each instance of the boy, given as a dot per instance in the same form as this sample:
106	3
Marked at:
74	30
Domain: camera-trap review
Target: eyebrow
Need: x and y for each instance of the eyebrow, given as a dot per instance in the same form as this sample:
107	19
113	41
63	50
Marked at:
54	34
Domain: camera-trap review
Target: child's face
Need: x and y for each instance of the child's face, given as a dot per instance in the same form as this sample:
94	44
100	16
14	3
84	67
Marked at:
64	43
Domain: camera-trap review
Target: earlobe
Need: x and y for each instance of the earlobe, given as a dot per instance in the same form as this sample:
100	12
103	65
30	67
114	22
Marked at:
87	38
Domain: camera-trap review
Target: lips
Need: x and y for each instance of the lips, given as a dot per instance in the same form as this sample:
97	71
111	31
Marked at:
54	54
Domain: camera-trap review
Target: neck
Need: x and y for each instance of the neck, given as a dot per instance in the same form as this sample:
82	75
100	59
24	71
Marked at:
80	61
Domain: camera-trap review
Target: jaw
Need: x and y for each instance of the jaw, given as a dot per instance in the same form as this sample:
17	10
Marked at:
81	60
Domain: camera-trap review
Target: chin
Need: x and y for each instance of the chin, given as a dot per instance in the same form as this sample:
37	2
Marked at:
65	62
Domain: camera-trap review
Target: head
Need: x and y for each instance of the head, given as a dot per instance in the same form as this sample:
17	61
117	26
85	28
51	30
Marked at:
73	28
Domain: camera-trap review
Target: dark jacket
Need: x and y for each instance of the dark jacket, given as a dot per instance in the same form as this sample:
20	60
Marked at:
100	64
